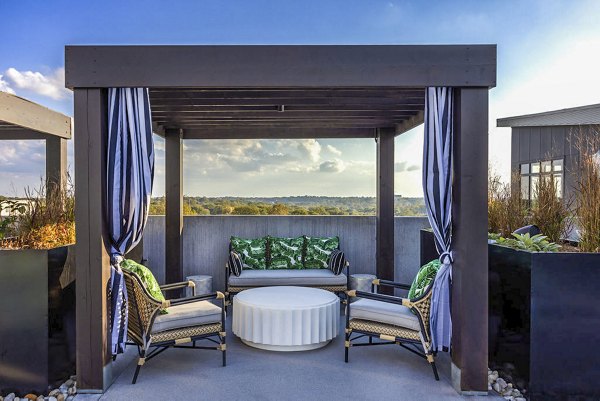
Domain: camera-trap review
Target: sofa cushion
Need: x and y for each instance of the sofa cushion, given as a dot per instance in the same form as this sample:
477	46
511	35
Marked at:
337	261
424	277
318	250
235	263
253	251
383	312
314	277
285	253
187	315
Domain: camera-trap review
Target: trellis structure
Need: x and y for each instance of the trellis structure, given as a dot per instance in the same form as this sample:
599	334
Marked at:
254	92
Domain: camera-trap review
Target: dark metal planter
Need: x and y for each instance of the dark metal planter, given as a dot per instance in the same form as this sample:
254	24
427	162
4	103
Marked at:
544	318
37	320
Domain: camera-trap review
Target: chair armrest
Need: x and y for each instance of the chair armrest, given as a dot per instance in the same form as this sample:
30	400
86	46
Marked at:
380	297
174	286
187	300
389	283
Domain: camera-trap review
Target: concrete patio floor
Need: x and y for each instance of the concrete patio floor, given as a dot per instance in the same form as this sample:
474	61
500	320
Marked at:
373	373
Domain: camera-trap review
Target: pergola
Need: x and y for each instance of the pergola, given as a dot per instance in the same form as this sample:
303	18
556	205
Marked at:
21	119
227	92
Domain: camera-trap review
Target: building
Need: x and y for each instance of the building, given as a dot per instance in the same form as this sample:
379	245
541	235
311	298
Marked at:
546	143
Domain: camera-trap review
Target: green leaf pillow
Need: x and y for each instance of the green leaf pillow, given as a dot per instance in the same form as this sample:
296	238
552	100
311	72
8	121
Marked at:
318	250
253	251
147	278
286	253
424	277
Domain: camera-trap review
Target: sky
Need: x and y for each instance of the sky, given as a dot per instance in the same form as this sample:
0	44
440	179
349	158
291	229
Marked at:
548	58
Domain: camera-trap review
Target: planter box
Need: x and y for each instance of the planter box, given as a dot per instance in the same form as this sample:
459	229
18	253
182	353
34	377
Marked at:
544	318
37	320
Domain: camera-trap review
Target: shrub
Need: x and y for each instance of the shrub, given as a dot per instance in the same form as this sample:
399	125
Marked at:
549	212
506	210
46	220
537	243
587	190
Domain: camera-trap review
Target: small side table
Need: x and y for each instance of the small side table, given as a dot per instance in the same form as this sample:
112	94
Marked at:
203	285
361	282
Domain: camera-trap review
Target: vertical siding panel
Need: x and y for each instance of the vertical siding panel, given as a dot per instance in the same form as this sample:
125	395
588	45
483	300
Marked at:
524	134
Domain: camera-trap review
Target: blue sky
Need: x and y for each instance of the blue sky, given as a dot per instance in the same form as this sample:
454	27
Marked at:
548	58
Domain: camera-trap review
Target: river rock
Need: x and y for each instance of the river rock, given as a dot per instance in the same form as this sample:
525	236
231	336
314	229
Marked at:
501	383
54	393
10	397
60	397
51	398
520	399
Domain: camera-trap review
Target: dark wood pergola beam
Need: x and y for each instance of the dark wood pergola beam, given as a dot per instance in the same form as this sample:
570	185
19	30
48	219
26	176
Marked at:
280	66
288	101
276	133
31	116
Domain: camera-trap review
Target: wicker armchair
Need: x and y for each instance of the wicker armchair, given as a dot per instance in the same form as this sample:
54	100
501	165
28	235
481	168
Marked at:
189	320
391	319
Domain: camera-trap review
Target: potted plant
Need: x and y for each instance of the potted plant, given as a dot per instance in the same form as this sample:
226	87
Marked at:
37	290
544	316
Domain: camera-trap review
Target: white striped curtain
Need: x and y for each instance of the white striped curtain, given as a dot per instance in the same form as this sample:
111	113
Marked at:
129	176
437	189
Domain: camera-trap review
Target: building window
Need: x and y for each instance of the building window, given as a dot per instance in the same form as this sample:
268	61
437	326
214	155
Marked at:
532	172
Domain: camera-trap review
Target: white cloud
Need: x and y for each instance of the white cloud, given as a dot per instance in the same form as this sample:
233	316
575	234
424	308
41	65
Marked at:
51	85
334	150
332	166
401	167
4	86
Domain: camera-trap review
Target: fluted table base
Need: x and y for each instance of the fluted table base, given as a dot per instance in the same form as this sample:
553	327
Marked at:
286	318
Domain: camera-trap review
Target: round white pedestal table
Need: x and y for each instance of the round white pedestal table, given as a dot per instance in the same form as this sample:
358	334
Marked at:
286	318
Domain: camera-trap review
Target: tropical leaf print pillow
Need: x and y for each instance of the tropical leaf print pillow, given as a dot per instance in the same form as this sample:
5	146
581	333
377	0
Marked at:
424	277
286	253
253	251
318	250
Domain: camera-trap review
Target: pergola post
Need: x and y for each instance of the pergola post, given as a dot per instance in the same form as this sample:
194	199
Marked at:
174	205
385	204
56	164
470	272
93	263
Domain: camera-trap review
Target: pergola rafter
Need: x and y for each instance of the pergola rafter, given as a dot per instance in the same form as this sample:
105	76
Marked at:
252	92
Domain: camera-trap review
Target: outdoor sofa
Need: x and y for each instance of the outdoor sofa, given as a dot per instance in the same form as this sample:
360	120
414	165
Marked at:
275	261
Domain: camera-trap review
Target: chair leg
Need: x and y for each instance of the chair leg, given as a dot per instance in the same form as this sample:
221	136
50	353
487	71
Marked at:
432	363
346	346
141	361
224	349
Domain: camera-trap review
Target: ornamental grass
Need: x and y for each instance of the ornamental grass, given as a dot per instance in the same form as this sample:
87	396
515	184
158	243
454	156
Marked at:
587	190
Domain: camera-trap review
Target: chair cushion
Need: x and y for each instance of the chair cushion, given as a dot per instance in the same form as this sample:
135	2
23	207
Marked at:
315	277
318	250
146	276
424	277
285	253
253	251
187	315
337	261
383	312
236	265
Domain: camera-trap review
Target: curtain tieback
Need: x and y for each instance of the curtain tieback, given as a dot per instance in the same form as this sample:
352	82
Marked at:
116	259
447	257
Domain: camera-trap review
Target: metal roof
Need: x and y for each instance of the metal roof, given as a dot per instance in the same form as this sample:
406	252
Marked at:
582	115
